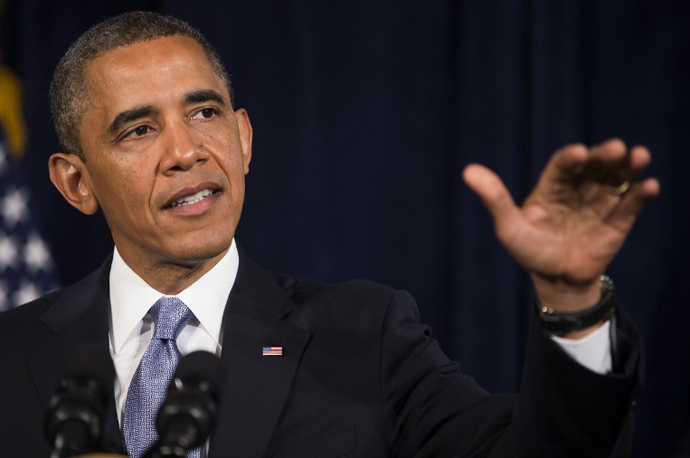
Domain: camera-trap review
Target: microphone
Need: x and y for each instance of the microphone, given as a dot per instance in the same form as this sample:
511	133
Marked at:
188	414
74	421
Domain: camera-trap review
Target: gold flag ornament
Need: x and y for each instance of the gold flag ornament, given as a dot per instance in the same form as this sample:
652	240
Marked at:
11	113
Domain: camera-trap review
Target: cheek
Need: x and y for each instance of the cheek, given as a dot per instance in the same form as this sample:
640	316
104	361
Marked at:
235	174
123	191
228	154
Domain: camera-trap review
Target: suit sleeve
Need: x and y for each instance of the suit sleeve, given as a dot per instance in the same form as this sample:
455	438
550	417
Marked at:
431	409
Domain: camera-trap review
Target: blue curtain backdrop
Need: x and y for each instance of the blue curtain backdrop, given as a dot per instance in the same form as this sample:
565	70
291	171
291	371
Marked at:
365	113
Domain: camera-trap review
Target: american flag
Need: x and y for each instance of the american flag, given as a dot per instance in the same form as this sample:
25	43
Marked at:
26	267
272	351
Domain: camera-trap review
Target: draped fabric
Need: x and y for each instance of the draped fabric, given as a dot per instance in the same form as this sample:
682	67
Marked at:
366	111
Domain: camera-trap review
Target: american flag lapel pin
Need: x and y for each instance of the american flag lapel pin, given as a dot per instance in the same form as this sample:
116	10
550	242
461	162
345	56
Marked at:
272	351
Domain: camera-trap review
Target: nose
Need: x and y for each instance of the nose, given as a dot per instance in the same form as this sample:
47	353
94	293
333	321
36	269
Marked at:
183	149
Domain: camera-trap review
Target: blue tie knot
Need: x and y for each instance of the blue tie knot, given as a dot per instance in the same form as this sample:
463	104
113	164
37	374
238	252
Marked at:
170	316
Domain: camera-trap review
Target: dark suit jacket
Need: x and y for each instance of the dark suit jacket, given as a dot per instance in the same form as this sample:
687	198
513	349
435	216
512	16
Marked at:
360	377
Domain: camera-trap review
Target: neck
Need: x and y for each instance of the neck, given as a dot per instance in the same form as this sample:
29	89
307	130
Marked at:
172	277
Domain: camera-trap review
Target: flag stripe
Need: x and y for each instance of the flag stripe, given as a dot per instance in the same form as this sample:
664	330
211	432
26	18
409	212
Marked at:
272	351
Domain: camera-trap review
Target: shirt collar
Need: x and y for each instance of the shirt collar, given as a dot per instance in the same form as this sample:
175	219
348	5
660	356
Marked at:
131	297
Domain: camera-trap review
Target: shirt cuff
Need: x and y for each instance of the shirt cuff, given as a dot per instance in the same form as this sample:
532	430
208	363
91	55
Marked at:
593	351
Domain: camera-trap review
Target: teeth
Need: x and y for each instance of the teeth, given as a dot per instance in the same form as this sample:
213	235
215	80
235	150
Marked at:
194	198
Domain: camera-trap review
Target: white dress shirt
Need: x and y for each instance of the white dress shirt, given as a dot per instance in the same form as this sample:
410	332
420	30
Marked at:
131	331
592	351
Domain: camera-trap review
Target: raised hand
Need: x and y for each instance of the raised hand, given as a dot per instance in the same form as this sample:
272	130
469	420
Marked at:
575	220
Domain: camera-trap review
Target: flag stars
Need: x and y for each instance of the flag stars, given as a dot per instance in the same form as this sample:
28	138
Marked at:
8	252
36	255
14	207
26	268
27	292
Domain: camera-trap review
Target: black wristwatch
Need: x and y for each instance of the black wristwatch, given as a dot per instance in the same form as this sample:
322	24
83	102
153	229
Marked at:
562	323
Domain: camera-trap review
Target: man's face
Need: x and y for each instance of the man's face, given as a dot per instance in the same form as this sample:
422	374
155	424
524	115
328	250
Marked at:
165	153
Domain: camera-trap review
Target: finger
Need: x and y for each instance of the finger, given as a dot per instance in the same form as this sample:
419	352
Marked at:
613	166
635	199
610	151
491	190
640	158
566	163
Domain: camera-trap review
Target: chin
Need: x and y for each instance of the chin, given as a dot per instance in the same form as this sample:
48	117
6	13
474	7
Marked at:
196	253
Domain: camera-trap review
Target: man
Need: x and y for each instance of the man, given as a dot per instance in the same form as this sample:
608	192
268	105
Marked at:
144	110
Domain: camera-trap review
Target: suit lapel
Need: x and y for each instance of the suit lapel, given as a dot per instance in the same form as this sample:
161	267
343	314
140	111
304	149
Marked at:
255	386
80	316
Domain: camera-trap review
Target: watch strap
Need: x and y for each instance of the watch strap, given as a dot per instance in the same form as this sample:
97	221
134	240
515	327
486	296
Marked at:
562	323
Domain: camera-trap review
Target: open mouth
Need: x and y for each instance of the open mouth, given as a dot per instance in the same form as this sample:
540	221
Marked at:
192	199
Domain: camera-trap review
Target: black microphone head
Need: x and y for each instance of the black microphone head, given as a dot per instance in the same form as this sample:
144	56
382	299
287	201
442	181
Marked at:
187	416
88	364
75	415
199	370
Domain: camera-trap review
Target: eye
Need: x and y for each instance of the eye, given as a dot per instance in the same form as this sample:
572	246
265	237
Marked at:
138	131
205	113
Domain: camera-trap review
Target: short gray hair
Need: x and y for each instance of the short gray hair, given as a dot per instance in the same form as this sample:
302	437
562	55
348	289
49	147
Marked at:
67	100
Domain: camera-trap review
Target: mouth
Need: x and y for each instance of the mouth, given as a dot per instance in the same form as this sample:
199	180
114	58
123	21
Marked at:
188	197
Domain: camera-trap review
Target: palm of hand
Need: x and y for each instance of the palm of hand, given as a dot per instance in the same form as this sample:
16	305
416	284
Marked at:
577	233
573	224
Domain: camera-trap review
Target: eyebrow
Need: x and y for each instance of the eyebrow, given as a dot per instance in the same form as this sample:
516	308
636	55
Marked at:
129	116
204	95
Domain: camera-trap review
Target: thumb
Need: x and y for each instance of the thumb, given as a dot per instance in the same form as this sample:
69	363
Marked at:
491	190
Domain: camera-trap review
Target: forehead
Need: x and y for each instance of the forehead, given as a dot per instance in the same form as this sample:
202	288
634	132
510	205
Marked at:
143	72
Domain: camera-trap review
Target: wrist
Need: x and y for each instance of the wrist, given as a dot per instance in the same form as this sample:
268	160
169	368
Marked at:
566	297
581	322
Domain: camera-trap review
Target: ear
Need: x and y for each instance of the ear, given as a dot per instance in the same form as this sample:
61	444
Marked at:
69	175
246	133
